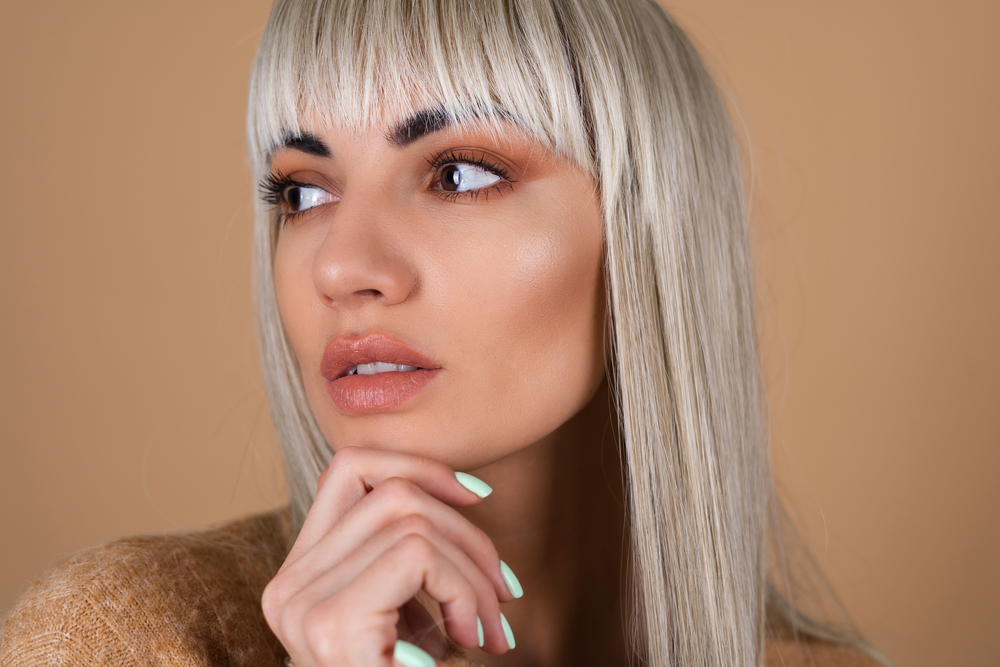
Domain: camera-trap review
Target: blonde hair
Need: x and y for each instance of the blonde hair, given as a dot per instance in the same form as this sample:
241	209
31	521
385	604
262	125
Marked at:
616	87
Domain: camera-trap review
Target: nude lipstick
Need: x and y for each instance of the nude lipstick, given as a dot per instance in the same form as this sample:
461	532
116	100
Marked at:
374	373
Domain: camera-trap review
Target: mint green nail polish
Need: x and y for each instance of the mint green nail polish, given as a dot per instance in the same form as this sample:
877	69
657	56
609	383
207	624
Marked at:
474	484
513	585
507	632
479	627
409	655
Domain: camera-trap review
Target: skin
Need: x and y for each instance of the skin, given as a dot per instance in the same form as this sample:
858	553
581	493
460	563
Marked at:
503	288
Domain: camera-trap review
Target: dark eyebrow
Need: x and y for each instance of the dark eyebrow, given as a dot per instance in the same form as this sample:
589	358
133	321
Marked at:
305	142
402	135
418	125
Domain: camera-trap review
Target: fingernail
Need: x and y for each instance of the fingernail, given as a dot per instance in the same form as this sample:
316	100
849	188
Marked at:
513	585
479	627
410	655
474	484
507	632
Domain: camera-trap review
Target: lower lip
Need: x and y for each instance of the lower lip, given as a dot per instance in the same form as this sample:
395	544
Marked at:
360	394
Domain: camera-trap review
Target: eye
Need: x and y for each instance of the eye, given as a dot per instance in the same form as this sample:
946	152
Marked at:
461	174
297	198
291	197
460	177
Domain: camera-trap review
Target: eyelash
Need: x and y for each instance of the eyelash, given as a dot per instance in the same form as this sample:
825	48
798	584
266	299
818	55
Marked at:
452	156
272	189
273	185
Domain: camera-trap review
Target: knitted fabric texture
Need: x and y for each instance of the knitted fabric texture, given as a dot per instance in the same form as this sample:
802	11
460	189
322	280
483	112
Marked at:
193	599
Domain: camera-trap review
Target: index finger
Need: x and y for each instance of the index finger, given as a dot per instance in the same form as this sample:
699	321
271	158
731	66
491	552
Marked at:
354	471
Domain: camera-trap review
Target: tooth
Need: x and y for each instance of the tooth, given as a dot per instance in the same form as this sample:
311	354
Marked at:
381	367
353	370
366	369
404	368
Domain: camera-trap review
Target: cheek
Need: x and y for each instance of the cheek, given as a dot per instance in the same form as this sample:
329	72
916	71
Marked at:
541	313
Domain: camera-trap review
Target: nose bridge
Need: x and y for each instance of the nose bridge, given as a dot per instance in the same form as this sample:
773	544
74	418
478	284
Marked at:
359	259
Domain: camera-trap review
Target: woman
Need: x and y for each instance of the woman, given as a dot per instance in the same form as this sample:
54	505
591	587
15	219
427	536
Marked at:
500	246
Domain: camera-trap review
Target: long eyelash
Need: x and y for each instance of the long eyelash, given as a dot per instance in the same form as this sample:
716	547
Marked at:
272	187
272	191
453	156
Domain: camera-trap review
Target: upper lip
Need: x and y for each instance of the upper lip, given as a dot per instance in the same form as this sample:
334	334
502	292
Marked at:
343	353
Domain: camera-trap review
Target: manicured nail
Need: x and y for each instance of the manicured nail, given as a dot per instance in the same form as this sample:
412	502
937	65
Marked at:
410	655
479	627
474	484
507	632
513	585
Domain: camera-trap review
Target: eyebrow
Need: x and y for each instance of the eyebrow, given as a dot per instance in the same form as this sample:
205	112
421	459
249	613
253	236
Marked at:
305	142
418	125
402	135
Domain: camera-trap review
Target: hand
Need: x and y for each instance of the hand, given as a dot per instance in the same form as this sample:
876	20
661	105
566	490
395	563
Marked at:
381	529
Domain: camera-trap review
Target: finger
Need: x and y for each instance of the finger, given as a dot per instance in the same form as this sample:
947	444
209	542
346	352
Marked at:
388	503
324	580
356	625
411	564
406	654
355	471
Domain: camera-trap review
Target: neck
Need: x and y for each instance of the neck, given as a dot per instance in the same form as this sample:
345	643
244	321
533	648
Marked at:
557	518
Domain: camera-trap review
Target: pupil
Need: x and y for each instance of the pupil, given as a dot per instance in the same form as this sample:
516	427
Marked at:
451	178
294	197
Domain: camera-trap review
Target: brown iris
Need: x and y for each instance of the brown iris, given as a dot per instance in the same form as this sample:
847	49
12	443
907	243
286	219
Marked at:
451	178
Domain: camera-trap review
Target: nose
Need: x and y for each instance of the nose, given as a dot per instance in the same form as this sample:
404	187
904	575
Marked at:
361	261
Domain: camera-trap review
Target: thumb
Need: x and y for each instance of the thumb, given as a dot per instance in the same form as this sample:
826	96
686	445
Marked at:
417	626
410	655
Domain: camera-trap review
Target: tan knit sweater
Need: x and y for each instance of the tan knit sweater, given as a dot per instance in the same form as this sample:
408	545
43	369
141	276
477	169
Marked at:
193	599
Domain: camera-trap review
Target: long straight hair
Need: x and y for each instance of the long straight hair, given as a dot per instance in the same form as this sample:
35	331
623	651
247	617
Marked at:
616	87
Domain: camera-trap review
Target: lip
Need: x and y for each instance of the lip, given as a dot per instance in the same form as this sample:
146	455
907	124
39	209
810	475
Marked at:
360	394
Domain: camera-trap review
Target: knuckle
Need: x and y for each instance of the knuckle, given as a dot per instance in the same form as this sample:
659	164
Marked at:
272	601
344	460
415	524
319	631
400	493
417	547
282	613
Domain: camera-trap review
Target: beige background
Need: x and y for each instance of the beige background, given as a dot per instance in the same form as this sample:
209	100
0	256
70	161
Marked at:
130	400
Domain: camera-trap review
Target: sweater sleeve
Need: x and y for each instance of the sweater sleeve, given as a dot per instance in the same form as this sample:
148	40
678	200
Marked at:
91	610
170	600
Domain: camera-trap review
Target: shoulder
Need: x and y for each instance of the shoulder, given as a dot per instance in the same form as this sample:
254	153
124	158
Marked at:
805	652
189	598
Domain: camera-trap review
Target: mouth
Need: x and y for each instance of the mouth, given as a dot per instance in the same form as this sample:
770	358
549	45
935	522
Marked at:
374	373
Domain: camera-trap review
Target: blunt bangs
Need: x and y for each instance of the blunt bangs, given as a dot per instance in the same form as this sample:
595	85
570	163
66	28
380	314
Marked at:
352	64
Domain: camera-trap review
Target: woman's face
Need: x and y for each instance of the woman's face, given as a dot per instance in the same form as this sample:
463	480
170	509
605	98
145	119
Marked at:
475	262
